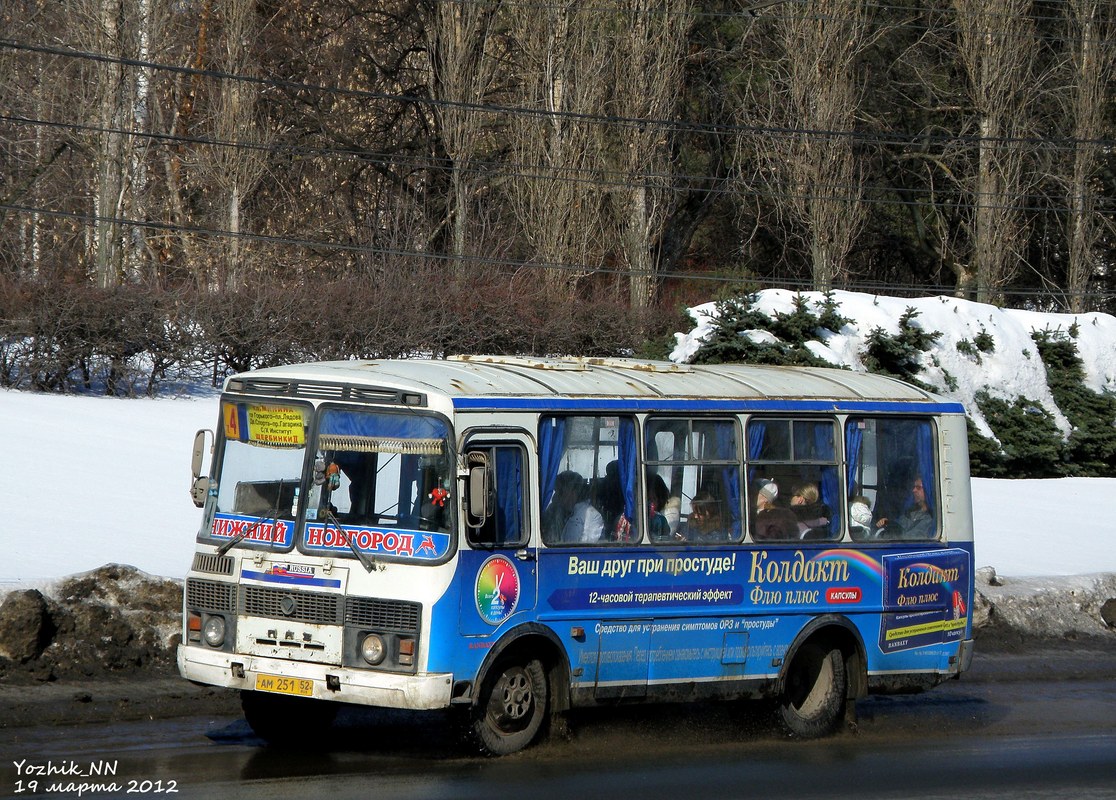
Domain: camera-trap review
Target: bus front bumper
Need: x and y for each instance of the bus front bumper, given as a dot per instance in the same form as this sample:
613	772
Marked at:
326	682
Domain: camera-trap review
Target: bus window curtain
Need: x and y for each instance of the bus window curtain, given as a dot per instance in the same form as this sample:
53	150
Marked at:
854	438
823	441
509	495
830	484
626	446
756	433
392	426
924	444
552	445
730	476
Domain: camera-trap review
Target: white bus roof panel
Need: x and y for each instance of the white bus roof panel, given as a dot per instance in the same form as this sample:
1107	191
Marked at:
553	378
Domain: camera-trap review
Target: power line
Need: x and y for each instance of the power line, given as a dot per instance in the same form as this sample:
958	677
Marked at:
602	178
516	264
673	126
289	241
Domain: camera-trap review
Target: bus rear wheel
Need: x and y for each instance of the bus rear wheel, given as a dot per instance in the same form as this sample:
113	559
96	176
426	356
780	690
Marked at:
512	707
285	721
813	700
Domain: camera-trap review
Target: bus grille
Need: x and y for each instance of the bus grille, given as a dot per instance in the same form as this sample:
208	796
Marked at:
312	607
211	595
393	615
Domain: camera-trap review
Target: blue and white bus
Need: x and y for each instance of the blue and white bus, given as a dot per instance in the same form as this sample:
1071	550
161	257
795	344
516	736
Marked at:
515	537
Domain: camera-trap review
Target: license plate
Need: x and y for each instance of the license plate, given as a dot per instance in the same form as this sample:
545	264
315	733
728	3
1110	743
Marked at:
280	685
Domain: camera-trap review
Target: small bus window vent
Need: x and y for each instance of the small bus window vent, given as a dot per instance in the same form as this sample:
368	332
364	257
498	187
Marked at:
371	394
261	387
213	563
328	391
321	391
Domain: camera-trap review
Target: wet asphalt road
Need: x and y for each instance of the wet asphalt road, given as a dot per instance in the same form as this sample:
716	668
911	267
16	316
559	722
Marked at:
1025	726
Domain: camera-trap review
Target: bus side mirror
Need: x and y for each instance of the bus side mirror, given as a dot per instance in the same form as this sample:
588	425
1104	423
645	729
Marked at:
477	494
199	488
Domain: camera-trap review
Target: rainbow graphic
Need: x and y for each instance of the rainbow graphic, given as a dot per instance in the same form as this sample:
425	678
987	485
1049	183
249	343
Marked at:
497	590
857	559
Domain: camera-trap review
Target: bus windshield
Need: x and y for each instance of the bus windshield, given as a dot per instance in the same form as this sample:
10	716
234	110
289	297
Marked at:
375	476
260	472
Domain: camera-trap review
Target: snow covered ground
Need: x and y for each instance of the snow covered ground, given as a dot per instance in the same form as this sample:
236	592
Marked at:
91	480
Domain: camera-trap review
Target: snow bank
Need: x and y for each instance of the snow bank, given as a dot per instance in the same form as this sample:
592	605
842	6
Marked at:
1011	368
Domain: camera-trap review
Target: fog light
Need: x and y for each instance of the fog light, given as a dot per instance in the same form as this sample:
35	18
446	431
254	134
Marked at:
193	627
372	648
214	631
407	652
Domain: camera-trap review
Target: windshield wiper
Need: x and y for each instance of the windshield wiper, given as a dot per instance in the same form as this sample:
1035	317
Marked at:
244	534
368	564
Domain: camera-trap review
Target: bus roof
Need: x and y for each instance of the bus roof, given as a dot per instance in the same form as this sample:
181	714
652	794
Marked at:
508	381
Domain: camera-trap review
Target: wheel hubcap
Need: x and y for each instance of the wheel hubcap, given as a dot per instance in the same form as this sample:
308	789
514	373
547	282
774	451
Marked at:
517	696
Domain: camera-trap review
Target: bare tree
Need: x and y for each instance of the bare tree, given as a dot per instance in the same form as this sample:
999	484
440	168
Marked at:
462	70
1092	58
995	44
237	161
808	147
556	151
123	34
100	27
648	64
187	47
31	154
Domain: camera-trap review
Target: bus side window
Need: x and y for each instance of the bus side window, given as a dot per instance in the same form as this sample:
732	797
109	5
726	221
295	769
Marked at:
693	480
794	481
504	526
893	460
588	480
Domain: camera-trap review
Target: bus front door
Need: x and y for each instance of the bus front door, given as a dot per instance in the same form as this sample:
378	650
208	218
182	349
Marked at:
499	568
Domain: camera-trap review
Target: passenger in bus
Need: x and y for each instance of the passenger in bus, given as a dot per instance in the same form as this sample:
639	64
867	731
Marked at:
706	521
766	495
658	525
915	523
673	513
812	514
570	517
772	522
585	524
610	498
567	488
860	518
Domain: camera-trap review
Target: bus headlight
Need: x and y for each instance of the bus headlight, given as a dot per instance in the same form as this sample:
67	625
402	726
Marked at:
214	631
372	648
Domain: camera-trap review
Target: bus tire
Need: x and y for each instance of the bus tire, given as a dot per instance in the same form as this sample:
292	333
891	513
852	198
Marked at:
813	700
511	707
284	721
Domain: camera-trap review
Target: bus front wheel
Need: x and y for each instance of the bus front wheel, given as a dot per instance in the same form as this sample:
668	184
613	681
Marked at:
813	699
512	707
